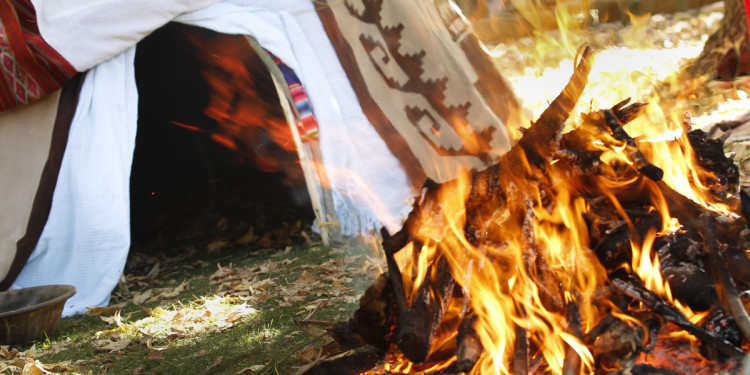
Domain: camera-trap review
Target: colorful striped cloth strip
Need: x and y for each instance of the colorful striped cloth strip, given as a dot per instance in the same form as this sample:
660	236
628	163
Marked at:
308	126
30	67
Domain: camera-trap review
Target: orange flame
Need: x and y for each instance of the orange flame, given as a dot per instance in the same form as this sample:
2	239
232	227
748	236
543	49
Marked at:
540	258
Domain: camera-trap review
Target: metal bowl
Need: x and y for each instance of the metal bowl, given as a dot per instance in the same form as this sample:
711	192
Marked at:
30	314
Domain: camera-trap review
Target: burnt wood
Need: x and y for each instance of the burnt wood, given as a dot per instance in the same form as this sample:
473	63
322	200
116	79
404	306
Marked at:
418	324
722	280
704	262
630	286
352	362
572	362
469	346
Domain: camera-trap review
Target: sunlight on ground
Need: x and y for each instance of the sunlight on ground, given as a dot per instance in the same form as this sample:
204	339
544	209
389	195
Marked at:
208	314
617	73
629	62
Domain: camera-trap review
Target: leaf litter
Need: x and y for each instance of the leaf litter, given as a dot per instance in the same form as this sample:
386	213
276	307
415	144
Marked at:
236	293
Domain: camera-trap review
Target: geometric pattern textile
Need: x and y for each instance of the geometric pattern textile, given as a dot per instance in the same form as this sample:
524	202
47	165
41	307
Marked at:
30	68
425	82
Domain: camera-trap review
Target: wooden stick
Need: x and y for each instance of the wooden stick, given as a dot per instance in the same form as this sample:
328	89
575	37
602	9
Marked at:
469	346
352	362
551	120
723	282
572	362
394	273
634	154
417	324
308	168
373	319
521	352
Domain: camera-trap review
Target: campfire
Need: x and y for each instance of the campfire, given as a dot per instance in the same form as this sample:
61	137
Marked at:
576	253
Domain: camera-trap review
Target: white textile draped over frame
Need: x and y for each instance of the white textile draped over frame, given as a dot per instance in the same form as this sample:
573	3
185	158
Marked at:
87	236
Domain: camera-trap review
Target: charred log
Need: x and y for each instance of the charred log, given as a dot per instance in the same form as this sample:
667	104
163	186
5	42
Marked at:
621	113
690	285
617	346
418	324
631	287
681	256
614	249
651	370
711	156
738	265
373	319
572	363
352	362
722	280
469	346
345	337
521	353
722	324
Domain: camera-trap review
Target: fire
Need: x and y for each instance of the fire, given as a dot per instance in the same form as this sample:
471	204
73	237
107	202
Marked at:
534	275
503	281
646	265
396	363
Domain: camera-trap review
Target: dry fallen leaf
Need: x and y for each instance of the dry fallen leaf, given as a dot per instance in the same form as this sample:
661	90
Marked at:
111	346
266	240
32	368
254	368
217	245
217	362
310	329
308	354
6	368
261	296
139	298
8	353
222	224
57	347
223	272
114	319
102	310
174	292
306	277
248	237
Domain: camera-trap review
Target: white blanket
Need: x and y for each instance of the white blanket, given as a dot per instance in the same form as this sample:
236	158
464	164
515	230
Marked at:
87	236
89	32
86	240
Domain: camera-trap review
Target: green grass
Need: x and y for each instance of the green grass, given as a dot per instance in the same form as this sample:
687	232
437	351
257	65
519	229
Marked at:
190	333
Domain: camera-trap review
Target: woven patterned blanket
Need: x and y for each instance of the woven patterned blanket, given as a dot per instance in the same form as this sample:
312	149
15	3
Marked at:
30	67
425	82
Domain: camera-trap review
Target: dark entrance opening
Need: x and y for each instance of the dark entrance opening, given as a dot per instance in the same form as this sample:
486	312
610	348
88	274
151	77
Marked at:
187	188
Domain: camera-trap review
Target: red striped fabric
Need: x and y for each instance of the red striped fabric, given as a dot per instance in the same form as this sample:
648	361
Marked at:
30	67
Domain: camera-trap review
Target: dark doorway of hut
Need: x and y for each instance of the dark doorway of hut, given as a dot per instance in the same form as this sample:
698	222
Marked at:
189	192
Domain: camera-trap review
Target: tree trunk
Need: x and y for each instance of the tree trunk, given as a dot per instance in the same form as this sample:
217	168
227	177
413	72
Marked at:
724	50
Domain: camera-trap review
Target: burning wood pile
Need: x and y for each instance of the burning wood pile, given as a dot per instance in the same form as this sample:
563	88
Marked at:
568	256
